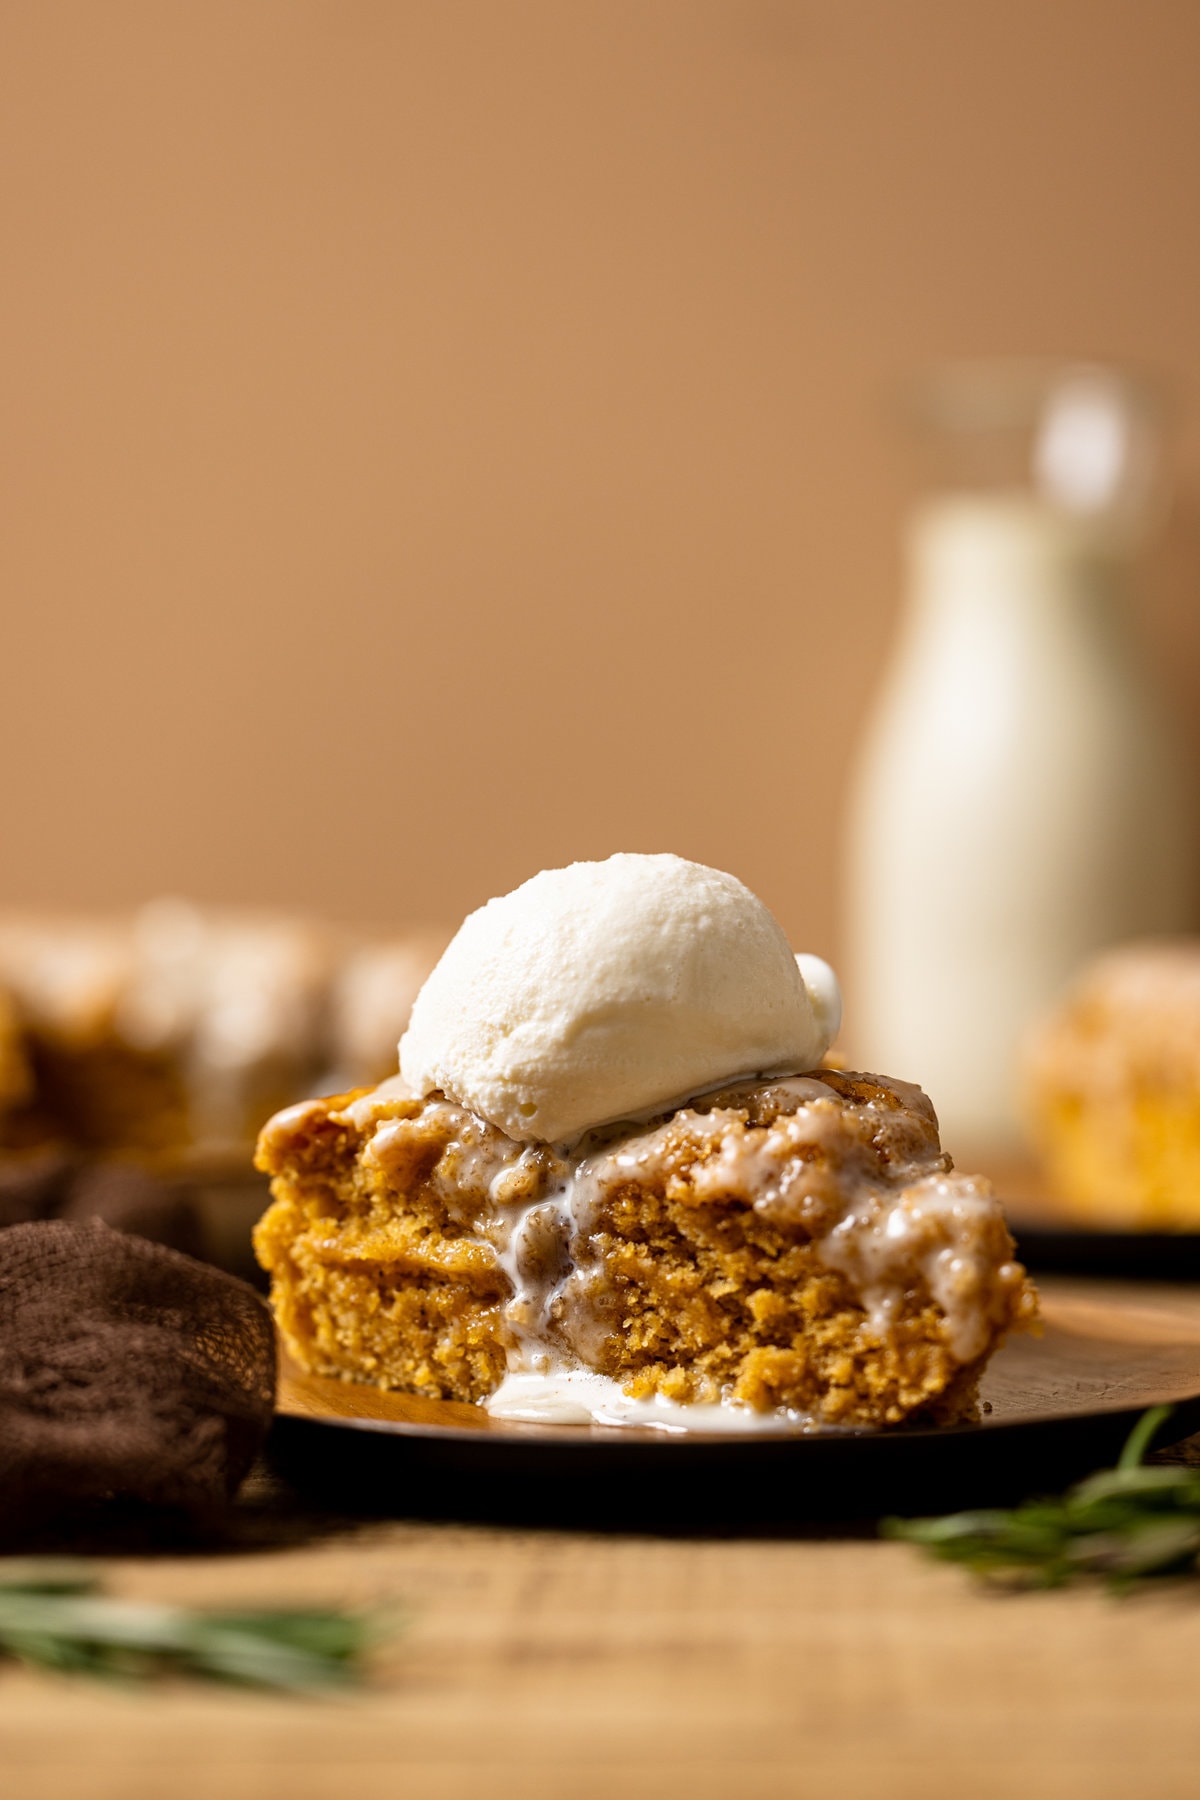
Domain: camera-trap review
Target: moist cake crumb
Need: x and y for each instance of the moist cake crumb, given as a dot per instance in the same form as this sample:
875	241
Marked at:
799	1244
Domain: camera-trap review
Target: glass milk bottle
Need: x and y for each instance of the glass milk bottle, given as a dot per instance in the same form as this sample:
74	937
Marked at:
1017	803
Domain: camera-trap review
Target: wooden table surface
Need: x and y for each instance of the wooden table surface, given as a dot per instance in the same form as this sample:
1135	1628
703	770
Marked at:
543	1664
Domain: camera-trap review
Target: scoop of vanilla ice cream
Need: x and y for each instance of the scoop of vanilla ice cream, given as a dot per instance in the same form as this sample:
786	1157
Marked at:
605	989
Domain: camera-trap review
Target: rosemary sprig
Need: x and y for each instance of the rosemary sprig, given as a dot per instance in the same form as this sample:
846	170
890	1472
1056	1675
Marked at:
1123	1523
53	1615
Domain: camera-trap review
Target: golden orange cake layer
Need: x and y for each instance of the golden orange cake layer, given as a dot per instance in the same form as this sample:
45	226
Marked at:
1112	1084
798	1244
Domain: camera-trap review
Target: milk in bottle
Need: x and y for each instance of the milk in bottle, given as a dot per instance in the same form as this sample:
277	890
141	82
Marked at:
1017	803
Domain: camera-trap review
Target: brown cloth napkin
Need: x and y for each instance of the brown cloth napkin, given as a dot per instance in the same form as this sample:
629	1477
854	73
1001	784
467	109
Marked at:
132	1379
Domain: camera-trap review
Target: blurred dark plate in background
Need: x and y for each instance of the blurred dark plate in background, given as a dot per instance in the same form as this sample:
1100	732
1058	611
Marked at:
1058	1247
1053	1239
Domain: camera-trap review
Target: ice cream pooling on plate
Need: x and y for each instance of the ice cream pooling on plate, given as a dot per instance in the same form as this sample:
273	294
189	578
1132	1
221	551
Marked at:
606	989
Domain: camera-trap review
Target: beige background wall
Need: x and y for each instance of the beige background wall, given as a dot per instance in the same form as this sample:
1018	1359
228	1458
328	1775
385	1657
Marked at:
444	439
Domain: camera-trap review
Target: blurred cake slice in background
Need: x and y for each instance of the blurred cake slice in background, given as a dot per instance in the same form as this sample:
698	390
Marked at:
1111	1081
65	975
373	988
16	1082
171	1033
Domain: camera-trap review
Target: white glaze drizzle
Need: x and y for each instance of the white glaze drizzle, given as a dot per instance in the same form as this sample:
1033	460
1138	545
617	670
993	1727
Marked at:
884	1212
568	1395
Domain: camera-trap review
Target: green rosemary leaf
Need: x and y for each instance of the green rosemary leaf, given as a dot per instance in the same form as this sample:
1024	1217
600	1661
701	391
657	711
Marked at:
48	1574
1162	1487
1142	1436
338	1635
1124	1523
52	1616
1149	1547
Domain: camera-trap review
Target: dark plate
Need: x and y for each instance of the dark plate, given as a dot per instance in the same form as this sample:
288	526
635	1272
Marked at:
1060	1404
1063	1248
